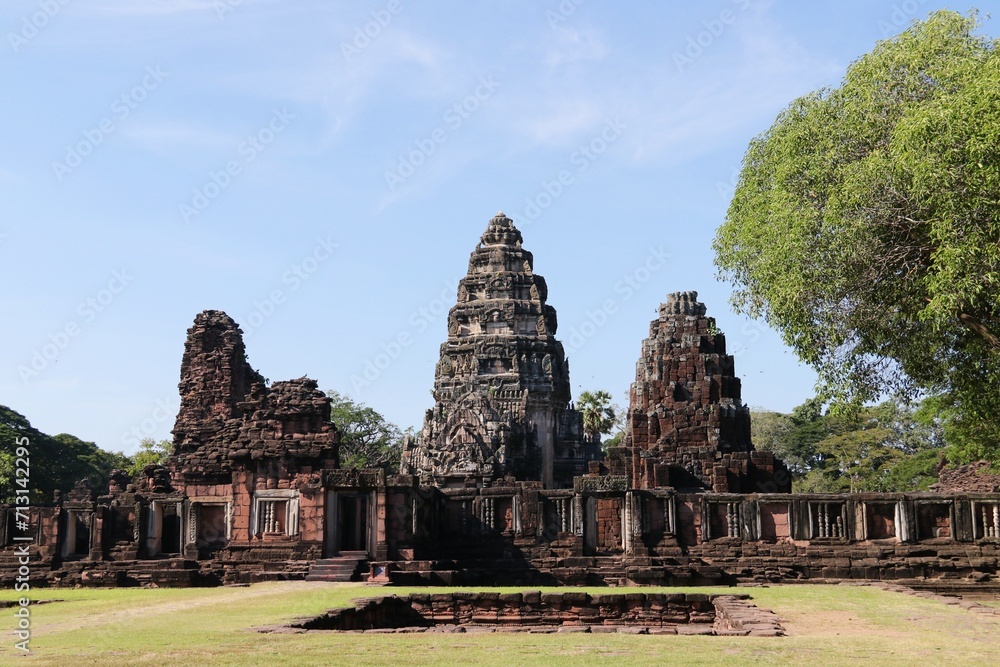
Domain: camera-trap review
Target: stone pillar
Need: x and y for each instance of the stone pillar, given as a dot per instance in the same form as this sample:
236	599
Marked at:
632	525
902	522
97	532
546	429
381	544
578	515
189	516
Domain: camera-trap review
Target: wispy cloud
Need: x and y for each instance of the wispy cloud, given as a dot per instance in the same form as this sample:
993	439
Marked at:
572	46
690	114
162	8
561	121
151	7
170	136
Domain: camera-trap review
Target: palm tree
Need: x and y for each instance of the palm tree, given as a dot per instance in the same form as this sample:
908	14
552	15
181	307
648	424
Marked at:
598	414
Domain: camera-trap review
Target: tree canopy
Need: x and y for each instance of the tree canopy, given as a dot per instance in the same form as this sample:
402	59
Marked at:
150	452
865	227
55	462
893	446
367	440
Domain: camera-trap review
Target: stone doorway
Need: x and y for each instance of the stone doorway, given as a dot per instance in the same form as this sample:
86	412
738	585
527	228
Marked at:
212	529
590	526
164	528
77	541
348	523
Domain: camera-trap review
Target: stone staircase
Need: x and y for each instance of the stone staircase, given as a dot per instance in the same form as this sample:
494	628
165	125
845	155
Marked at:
344	567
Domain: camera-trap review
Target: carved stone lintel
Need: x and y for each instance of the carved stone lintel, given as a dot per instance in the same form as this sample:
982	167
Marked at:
600	483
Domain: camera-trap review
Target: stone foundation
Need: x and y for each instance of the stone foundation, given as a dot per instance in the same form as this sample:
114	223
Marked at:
535	611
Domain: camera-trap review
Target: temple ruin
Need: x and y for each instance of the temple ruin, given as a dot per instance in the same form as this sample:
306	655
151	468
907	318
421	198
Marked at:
501	487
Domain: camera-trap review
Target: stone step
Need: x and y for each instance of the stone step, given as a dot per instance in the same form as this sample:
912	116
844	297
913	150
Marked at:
341	568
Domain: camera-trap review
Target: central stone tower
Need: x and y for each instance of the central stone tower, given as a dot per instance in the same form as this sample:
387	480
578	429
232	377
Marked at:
501	387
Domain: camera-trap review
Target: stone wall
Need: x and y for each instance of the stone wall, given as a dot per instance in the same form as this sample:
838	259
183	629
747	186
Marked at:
970	478
523	534
641	613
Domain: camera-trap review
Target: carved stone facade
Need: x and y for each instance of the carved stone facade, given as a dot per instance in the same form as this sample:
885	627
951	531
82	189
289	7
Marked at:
687	427
501	388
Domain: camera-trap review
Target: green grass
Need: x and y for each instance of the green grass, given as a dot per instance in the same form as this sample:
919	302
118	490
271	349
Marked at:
827	625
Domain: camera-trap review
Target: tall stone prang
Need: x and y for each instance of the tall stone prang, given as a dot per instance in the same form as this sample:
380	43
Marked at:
687	425
501	387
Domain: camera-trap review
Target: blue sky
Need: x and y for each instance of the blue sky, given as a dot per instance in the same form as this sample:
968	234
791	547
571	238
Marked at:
321	171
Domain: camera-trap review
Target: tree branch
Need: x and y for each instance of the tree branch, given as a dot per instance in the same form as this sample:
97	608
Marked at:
980	329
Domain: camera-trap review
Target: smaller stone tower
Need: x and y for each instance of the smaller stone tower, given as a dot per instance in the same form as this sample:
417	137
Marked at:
687	425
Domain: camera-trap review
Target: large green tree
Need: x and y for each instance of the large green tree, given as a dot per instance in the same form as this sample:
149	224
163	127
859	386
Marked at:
892	446
54	462
367	440
865	228
150	452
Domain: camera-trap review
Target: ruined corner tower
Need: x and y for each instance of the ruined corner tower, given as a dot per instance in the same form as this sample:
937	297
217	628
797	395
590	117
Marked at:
501	387
229	416
687	427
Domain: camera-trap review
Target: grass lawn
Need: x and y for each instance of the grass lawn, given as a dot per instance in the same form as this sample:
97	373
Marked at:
827	625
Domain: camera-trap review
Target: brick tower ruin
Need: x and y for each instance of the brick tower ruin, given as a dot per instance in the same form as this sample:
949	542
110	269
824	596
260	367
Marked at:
229	415
687	427
501	388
